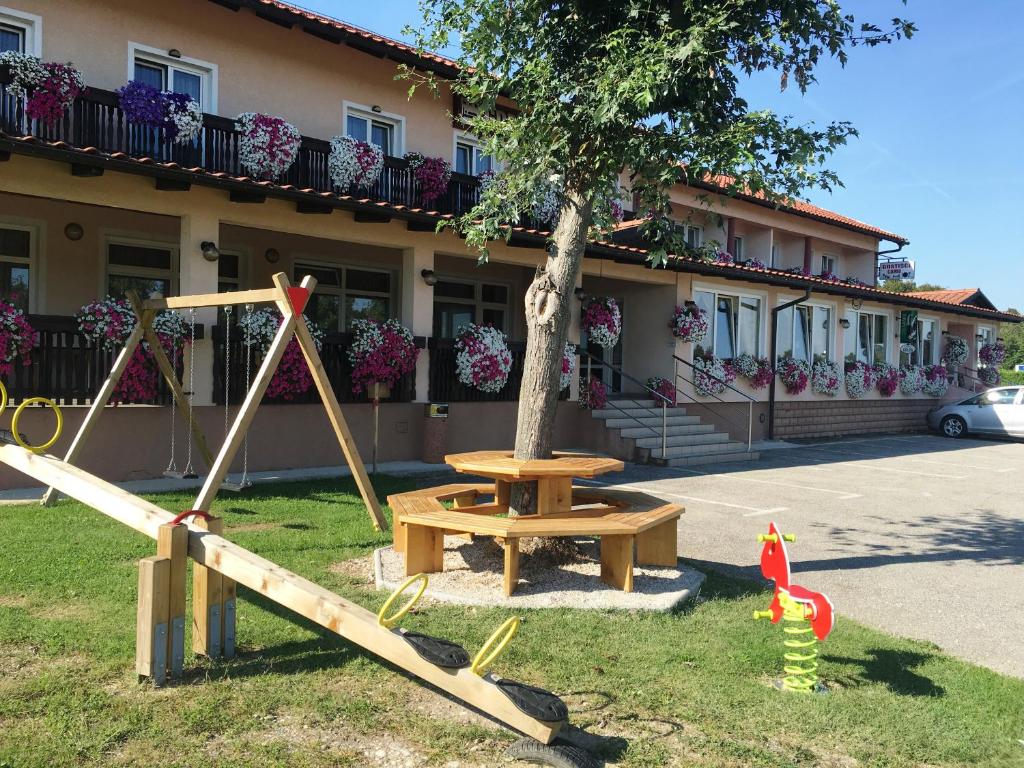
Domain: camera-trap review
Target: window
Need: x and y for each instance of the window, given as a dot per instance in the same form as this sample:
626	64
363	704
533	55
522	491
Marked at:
776	255
458	303
693	235
805	333
15	266
346	294
735	324
925	350
148	269
384	131
985	334
229	272
195	79
737	249
21	32
470	158
867	338
828	264
995	397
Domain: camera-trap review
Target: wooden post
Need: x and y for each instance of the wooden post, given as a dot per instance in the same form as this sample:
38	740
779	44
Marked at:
511	547
658	545
617	561
554	494
207	600
172	544
424	549
151	627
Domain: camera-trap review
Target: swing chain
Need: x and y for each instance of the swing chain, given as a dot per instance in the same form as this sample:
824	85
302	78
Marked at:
227	365
248	383
172	465
191	386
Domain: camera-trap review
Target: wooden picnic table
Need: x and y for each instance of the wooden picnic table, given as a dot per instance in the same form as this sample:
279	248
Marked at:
553	476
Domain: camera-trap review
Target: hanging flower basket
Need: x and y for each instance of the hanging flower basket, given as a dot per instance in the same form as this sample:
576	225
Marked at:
292	377
794	373
381	354
183	119
989	376
711	375
593	394
55	93
689	323
887	379
756	263
482	358
26	72
568	366
663	387
142	104
860	379
431	173
993	354
724	258
268	145
756	370
825	378
548	202
17	338
602	322
354	163
956	351
912	379
936	381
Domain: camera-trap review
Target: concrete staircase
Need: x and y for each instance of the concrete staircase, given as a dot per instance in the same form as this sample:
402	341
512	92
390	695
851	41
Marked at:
689	442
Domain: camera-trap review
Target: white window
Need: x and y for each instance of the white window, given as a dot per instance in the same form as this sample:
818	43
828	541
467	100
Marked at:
194	78
867	338
460	302
147	268
806	332
737	249
828	264
984	337
735	324
926	348
16	248
345	294
470	158
694	235
776	255
20	31
379	128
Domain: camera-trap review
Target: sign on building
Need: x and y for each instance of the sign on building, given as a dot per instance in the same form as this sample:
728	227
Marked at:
908	327
895	269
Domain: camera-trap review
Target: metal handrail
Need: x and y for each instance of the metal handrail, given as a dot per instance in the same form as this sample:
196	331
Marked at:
977	380
665	402
750	400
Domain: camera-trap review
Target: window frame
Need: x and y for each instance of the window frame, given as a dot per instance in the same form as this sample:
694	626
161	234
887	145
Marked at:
206	70
698	228
342	292
738	252
31	25
854	316
172	274
936	355
242	281
716	292
366	112
35	276
775	255
830	354
980	330
471	141
477	302
829	263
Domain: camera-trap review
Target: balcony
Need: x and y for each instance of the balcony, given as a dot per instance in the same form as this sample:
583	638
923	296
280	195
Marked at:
96	120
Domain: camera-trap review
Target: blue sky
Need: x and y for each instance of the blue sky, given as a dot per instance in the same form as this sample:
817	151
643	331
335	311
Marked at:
940	157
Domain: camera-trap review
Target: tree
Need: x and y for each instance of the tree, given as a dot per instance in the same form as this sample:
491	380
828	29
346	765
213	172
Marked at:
1013	336
645	85
906	286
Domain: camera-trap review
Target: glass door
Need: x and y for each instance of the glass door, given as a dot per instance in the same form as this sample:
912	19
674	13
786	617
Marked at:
611	379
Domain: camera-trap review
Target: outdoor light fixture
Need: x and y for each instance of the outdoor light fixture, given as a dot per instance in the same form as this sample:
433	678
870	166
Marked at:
945	333
209	250
844	323
174	53
979	337
272	255
428	276
74	231
377	108
580	294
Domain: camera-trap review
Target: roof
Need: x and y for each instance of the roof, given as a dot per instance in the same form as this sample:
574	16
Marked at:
119	161
972	297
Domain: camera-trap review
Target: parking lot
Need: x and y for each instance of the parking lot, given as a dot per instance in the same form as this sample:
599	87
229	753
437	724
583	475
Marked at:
916	534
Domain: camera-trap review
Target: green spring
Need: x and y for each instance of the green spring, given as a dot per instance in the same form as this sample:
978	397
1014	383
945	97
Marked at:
801	665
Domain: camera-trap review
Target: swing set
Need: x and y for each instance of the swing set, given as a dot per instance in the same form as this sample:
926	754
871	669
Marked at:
290	301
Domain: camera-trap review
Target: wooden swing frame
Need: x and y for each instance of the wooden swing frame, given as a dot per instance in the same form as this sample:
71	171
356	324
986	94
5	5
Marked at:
290	301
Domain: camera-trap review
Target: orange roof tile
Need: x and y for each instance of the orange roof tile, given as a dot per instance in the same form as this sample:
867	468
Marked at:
950	296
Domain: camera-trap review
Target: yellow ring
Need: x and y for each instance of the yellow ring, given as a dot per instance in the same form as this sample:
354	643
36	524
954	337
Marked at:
17	415
486	656
3	398
389	622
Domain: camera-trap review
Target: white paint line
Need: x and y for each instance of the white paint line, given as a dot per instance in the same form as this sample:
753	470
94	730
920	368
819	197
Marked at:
841	494
765	512
872	459
659	492
923	461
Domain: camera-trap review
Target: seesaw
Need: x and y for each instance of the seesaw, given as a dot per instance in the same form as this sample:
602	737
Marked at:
220	565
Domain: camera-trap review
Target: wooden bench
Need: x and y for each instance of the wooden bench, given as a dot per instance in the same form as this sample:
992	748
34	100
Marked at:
632	526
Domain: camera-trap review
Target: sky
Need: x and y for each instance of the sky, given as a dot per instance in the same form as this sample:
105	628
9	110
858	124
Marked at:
940	157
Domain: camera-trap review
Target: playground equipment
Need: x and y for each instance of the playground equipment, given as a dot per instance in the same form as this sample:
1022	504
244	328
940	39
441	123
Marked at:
15	432
808	616
290	301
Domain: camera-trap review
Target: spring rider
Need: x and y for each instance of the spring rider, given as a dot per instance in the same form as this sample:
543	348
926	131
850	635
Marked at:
808	617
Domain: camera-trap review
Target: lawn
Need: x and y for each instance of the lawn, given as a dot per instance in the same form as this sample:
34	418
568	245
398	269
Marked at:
689	688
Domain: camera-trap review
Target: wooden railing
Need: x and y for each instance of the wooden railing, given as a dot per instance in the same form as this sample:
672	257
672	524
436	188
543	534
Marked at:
97	120
335	358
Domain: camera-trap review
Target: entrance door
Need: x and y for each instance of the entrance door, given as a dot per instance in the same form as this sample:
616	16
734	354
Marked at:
613	356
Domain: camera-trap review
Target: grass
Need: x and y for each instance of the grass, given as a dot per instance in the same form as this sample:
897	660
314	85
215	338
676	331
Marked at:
689	688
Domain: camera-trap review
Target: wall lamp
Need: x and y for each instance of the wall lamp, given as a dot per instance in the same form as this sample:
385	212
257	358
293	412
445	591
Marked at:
979	337
272	255
209	250
580	294
428	276
844	323
377	108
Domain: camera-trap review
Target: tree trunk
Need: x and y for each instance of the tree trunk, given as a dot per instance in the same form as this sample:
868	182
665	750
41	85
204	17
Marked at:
548	311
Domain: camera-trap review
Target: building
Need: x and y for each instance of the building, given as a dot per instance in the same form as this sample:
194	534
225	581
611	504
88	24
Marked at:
91	206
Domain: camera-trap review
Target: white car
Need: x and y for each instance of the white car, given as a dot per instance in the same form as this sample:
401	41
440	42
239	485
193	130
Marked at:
998	411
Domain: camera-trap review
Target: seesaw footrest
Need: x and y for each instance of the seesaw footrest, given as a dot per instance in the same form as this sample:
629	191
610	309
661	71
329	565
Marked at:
436	650
532	701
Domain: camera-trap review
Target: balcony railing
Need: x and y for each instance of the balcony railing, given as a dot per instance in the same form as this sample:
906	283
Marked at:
96	120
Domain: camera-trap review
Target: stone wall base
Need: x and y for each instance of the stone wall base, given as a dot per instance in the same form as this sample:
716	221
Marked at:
851	417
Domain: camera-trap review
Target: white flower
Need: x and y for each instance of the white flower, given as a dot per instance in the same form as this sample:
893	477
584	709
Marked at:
268	145
26	72
482	358
956	351
354	162
568	366
825	377
187	119
912	380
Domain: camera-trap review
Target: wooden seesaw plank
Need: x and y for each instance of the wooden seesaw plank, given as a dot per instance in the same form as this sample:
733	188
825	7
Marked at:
288	589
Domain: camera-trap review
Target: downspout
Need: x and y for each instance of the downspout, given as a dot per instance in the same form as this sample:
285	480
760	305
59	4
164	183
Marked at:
775	352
